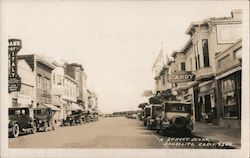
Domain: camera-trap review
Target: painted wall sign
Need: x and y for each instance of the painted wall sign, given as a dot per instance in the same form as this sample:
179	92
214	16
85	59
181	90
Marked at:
182	76
14	80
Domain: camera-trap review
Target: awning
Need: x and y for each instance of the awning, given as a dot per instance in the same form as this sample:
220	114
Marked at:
53	107
75	107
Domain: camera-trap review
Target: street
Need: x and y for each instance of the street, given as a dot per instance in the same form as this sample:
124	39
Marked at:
114	132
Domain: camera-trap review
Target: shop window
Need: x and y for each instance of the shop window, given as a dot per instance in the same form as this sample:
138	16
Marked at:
229	97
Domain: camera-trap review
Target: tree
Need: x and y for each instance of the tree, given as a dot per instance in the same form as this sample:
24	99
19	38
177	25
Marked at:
162	96
142	105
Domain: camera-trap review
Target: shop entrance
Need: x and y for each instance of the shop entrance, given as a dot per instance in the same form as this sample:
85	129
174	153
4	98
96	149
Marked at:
196	104
208	108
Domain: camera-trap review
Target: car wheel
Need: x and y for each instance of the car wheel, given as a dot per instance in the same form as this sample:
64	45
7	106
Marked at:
34	128
53	127
157	130
81	121
188	132
46	126
15	130
162	132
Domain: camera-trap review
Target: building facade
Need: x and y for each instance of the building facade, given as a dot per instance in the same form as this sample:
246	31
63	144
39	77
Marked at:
25	97
207	38
228	85
76	72
199	55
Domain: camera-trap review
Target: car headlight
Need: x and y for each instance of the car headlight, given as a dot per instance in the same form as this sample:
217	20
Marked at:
165	124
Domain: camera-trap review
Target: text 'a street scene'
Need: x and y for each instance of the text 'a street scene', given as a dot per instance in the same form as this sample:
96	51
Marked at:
120	85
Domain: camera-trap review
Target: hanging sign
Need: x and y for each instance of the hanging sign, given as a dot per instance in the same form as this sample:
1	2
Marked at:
14	80
182	76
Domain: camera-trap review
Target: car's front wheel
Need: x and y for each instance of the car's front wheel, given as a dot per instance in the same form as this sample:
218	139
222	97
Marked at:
15	130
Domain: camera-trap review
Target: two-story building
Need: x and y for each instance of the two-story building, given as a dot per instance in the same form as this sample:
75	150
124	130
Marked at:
228	85
76	72
42	75
25	97
207	38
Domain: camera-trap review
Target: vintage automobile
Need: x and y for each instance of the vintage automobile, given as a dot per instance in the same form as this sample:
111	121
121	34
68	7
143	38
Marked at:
139	115
20	121
75	117
155	112
44	119
131	116
93	116
146	113
175	118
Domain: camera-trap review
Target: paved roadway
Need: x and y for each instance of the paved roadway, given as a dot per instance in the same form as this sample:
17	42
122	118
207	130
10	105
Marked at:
107	133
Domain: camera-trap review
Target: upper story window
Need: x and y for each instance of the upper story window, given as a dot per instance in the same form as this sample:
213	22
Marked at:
183	66
237	54
197	56
59	80
54	78
191	64
39	81
47	84
163	80
205	52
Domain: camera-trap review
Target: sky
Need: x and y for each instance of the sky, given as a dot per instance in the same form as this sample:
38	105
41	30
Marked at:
115	41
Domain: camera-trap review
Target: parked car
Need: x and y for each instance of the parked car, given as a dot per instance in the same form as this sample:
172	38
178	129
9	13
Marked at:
146	113
139	115
175	118
75	117
44	119
131	116
20	121
155	112
93	116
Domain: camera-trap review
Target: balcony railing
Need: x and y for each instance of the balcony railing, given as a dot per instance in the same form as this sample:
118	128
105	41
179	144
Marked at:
204	73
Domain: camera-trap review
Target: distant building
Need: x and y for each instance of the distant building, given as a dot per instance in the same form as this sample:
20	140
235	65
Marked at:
76	72
92	101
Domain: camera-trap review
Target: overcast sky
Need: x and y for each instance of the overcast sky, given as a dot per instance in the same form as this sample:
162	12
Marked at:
116	42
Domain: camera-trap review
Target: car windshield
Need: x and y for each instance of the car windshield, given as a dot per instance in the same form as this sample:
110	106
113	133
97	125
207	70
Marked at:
18	111
156	111
40	112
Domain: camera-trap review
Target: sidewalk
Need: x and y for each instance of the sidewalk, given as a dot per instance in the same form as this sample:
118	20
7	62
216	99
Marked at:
208	130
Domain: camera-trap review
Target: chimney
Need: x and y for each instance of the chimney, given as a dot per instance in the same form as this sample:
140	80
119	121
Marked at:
236	14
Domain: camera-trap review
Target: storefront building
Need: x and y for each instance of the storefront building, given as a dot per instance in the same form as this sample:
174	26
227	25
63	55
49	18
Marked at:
58	88
25	97
76	72
69	97
207	38
228	80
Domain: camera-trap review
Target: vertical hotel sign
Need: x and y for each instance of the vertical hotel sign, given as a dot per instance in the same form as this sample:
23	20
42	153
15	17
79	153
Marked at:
14	80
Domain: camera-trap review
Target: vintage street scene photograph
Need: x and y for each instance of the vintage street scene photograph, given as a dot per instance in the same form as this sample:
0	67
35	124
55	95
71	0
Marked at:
123	75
